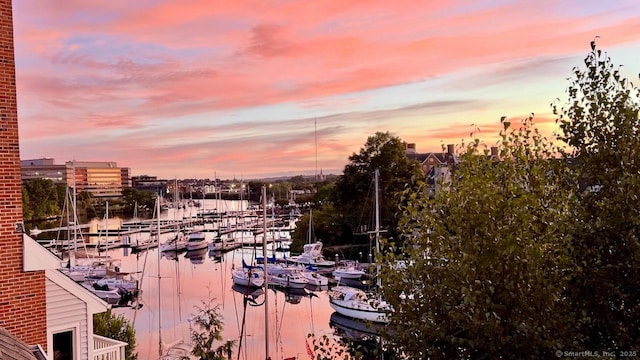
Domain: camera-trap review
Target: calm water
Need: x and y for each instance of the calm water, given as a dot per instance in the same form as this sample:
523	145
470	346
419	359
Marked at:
191	278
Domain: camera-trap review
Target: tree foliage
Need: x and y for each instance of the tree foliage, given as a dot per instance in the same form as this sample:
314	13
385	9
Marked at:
41	199
384	152
207	330
145	199
118	328
529	255
600	125
327	226
485	264
327	347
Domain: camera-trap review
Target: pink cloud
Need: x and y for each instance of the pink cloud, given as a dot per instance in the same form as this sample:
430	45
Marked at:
127	66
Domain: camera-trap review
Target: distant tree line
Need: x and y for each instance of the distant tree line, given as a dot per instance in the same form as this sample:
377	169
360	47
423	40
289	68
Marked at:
43	200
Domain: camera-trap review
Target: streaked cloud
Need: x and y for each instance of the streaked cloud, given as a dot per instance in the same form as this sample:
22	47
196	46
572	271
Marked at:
193	87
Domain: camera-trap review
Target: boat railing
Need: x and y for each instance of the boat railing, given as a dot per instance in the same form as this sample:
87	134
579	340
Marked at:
105	348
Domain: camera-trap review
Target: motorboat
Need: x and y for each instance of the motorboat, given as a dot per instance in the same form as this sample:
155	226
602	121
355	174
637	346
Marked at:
312	255
314	278
280	268
291	279
223	244
196	241
112	296
120	282
348	271
218	244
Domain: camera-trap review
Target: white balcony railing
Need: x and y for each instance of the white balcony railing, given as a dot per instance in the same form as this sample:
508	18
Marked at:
107	349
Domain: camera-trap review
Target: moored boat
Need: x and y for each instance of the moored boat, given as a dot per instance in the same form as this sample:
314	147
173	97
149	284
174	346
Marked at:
314	278
196	241
312	255
291	279
356	304
348	271
177	243
248	277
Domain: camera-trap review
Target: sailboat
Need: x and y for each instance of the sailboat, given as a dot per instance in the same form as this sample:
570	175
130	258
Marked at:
177	350
93	267
248	276
176	243
356	303
255	276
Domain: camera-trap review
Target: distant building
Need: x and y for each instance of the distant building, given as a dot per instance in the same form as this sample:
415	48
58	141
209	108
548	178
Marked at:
435	165
410	148
150	183
440	165
44	168
100	178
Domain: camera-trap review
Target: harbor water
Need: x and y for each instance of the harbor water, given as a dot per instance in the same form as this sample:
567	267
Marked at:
175	285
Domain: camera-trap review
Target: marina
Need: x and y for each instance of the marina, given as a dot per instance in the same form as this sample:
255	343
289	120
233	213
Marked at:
185	280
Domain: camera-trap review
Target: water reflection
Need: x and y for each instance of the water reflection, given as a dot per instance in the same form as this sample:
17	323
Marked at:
174	283
188	279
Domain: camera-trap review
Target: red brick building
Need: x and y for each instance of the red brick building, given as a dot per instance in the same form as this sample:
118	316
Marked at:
22	294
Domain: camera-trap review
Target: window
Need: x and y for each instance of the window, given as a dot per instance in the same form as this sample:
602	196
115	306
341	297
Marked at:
63	345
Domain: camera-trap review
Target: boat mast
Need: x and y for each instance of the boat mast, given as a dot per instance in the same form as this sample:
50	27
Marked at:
315	130
160	350
310	225
377	229
106	225
266	274
75	215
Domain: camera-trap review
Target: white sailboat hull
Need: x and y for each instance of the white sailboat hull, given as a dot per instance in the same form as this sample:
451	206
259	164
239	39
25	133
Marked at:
289	281
349	273
358	310
242	278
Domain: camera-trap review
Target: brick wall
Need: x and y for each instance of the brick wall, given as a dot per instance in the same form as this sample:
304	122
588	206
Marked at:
22	295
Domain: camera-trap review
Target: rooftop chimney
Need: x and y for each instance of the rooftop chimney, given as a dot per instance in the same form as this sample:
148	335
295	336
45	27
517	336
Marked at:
450	149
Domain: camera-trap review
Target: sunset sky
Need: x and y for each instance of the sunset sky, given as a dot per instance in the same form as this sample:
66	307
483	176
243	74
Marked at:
195	88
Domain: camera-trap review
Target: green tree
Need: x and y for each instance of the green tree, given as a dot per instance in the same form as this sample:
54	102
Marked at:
85	205
117	328
145	199
397	172
40	199
62	191
485	266
207	330
326	227
324	194
601	128
27	211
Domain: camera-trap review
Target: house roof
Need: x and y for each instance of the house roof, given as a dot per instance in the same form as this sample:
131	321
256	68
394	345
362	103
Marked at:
36	257
442	157
94	303
12	348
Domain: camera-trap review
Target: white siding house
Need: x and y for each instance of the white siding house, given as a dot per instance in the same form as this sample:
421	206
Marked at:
70	309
